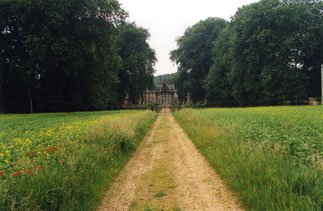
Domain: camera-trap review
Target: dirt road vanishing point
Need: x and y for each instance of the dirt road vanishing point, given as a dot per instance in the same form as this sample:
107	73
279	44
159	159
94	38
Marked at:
168	173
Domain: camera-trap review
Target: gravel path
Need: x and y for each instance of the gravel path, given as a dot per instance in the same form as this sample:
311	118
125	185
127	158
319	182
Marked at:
168	173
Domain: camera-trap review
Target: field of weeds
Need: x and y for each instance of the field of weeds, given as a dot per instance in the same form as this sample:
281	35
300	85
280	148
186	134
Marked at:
65	161
270	156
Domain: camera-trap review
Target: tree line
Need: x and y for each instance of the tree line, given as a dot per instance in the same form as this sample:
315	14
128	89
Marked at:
71	55
267	54
167	78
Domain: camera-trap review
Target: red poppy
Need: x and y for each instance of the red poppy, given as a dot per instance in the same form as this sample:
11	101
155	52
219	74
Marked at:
39	167
52	166
18	172
61	160
51	149
29	172
1	173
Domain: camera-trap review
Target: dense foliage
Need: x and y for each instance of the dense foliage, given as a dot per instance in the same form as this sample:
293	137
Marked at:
64	161
68	55
194	57
167	78
271	156
269	53
136	74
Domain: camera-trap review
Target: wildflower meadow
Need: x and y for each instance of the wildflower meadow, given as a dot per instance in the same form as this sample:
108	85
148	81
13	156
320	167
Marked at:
55	161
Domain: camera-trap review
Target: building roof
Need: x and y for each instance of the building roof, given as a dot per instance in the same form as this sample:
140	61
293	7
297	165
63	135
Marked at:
165	89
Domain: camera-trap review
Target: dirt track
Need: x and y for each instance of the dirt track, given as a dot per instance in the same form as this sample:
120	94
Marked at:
168	173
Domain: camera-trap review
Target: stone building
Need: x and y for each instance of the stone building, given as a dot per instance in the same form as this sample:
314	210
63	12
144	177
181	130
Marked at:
164	95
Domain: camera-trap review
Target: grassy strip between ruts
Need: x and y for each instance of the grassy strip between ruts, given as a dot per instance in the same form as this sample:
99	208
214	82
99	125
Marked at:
271	157
75	173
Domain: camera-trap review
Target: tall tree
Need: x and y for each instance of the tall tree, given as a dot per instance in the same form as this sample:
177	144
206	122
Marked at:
60	55
271	39
313	58
1	85
4	11
194	57
217	84
269	53
138	59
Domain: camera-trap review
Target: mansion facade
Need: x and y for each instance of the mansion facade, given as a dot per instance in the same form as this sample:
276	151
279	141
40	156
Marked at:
164	95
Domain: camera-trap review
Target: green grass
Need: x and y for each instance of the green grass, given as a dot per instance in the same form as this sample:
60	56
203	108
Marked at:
159	195
270	156
158	109
71	157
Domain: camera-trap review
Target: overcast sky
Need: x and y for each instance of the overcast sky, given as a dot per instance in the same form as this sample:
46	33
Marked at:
168	19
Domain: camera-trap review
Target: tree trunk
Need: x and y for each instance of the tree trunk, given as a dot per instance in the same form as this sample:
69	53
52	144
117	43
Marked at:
30	100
